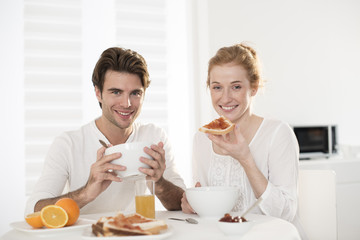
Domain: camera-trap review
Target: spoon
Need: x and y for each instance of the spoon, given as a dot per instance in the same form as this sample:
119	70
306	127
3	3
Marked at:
252	207
189	220
103	143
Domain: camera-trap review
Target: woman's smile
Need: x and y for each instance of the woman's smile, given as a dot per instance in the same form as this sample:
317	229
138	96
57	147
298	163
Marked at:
228	108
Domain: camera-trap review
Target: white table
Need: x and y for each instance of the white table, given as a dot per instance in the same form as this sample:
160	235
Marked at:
266	228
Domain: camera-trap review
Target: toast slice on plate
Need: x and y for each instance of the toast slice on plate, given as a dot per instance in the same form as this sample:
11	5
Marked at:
127	225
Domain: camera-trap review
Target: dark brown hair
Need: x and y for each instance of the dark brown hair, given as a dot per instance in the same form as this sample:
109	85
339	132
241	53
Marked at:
121	60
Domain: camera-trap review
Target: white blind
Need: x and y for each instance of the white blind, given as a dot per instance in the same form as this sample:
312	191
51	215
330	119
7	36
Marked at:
52	77
141	25
53	67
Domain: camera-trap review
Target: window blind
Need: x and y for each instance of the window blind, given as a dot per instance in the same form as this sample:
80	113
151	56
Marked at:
52	77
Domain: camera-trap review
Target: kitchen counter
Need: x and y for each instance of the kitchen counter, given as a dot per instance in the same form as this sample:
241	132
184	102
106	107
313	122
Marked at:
347	192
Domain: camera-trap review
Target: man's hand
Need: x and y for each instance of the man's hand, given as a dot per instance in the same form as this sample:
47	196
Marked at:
185	206
157	164
102	174
168	193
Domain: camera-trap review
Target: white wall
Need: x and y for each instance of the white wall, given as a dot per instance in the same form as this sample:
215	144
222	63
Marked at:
12	174
309	51
180	87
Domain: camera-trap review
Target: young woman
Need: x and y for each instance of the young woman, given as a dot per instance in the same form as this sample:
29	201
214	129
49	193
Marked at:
260	156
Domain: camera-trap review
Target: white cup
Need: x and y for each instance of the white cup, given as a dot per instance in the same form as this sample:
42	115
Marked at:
131	153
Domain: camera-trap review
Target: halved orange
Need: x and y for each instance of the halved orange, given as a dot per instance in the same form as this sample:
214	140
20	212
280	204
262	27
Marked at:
34	220
54	216
71	208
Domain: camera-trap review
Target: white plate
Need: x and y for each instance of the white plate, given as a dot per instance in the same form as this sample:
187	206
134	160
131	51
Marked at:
25	227
87	234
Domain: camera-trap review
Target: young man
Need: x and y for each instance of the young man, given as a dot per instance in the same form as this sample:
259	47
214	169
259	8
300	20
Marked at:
77	159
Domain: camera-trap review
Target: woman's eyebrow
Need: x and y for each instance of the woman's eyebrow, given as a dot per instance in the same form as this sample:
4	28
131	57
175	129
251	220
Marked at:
236	81
214	82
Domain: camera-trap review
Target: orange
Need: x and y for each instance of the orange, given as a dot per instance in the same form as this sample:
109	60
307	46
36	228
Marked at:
54	216
34	220
71	208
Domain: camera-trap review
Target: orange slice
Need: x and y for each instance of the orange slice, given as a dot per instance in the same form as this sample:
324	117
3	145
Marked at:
54	216
34	220
218	126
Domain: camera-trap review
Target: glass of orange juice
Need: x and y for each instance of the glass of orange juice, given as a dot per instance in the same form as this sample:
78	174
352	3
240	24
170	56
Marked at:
145	198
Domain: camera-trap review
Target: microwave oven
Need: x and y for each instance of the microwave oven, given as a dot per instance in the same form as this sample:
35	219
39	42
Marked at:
316	141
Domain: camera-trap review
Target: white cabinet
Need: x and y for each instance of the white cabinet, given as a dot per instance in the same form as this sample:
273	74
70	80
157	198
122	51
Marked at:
347	193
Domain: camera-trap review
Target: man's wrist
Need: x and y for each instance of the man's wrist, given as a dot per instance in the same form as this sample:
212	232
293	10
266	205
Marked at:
81	196
159	185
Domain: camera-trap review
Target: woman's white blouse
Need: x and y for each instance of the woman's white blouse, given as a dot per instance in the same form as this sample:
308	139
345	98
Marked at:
276	153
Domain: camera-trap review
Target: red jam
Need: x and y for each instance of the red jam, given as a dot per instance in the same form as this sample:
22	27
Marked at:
219	123
228	218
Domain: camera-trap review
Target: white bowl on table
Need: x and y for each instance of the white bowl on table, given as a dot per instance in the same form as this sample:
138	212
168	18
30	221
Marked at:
131	153
212	202
235	228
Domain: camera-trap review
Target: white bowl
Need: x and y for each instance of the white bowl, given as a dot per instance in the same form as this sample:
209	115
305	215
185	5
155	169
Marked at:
212	202
131	153
235	228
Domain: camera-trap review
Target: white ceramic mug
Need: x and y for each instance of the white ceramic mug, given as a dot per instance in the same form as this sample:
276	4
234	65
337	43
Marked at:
131	153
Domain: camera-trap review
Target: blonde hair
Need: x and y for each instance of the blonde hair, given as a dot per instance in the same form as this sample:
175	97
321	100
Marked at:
239	54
